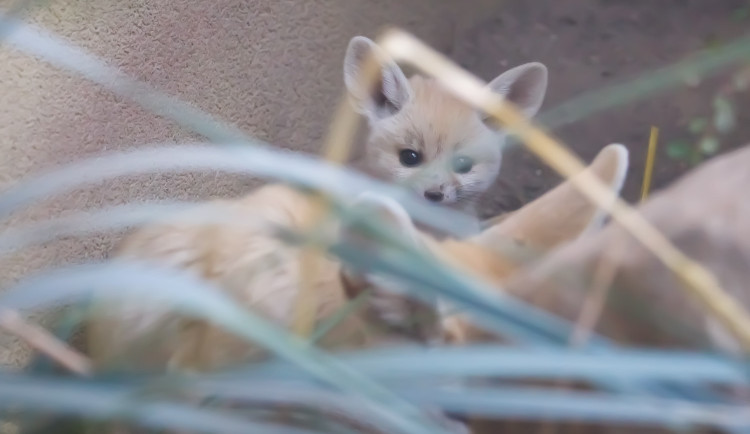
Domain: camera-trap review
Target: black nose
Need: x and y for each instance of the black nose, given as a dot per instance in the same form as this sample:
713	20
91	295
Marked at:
433	196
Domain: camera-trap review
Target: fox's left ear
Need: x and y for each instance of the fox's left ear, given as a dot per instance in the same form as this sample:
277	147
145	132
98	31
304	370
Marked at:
524	86
392	90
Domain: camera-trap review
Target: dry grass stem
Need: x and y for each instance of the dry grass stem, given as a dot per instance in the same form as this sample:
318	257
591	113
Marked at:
649	170
46	343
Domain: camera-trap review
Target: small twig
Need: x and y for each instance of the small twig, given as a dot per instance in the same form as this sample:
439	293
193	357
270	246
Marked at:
649	170
43	341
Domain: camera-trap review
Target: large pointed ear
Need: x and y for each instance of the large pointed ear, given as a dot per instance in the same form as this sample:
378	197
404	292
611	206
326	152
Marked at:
563	213
391	90
524	86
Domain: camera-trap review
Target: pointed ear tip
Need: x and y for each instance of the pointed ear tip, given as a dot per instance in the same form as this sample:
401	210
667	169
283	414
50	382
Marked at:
532	75
360	42
538	65
618	155
355	51
543	73
537	68
361	38
619	151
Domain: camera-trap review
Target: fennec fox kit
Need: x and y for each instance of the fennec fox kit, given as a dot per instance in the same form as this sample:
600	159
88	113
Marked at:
245	259
423	137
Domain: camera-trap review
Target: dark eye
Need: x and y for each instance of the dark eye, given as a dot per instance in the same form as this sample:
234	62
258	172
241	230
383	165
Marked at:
462	164
409	157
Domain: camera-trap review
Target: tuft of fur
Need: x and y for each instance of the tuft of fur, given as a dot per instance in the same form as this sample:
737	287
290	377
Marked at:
420	115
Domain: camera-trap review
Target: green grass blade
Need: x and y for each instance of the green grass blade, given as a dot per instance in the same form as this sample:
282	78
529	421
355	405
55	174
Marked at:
189	295
261	161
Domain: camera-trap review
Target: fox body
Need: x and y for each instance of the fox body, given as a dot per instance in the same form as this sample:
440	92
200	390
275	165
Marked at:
245	258
421	136
242	255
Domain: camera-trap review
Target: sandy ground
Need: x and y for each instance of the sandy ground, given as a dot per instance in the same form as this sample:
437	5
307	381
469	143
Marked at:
592	44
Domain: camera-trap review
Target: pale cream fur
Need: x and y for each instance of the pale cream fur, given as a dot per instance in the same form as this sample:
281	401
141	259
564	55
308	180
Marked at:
705	214
419	114
245	259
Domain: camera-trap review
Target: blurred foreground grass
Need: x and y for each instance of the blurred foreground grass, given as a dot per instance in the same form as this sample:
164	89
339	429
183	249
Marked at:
304	389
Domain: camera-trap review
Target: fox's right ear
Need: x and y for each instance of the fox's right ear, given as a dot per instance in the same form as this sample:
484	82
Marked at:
563	213
391	90
525	86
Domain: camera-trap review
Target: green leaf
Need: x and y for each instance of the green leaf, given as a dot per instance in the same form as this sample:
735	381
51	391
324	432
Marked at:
724	117
678	150
697	125
709	145
741	13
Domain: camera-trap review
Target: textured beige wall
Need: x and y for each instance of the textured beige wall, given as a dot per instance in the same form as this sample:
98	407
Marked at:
271	67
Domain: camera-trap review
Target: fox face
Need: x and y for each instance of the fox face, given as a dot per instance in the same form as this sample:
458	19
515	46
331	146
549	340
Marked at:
423	137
